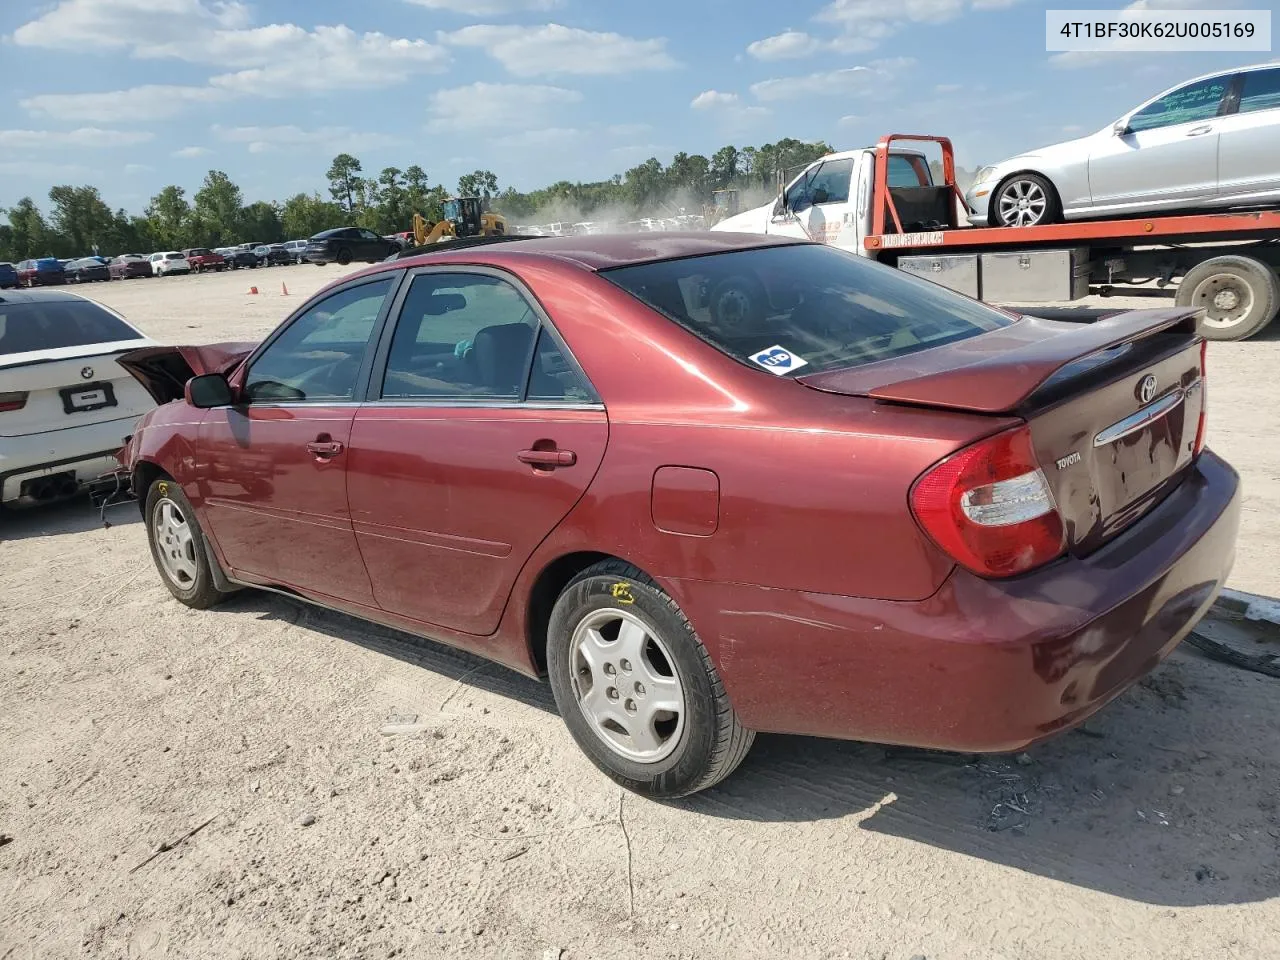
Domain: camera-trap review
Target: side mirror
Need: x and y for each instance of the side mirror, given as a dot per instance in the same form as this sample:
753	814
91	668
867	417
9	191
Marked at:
207	391
1120	127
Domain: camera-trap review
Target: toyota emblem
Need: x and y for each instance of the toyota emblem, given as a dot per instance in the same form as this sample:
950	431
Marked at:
1147	389
86	373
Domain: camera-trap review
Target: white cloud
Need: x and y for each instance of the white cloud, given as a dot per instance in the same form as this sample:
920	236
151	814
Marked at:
786	46
849	119
88	137
555	49
188	153
279	59
487	8
44	173
137	168
497	106
337	139
948	88
152	101
849	81
709	99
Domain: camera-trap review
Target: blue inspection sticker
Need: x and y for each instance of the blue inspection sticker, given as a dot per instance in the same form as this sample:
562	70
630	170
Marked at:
778	360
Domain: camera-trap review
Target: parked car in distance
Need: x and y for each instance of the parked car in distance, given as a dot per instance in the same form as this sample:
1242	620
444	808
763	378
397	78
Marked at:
272	255
87	270
41	272
129	265
296	249
171	261
65	402
235	257
548	452
202	258
8	275
344	244
1207	143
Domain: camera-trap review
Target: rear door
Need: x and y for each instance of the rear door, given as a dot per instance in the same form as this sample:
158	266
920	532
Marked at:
1248	167
273	470
483	435
1168	156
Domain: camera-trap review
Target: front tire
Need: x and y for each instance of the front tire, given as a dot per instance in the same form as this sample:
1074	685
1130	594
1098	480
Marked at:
636	687
1024	200
178	547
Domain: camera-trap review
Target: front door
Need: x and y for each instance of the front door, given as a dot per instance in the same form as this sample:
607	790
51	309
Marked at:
274	468
485	435
817	203
1167	156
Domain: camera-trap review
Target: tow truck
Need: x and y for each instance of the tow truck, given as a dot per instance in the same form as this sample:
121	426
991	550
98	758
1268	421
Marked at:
882	203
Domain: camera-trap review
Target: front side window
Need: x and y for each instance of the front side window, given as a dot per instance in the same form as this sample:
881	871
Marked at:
318	356
1261	91
1189	104
461	337
805	308
830	183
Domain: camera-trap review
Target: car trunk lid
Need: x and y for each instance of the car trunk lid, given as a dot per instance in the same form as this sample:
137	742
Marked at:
1113	407
164	371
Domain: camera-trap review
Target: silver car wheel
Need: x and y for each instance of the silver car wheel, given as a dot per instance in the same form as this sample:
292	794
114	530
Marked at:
1022	203
1225	298
626	685
175	545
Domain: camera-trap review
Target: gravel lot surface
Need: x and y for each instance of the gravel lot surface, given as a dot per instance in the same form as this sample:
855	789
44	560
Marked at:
176	783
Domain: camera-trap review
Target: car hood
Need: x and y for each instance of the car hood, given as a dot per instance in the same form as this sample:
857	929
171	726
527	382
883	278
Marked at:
749	221
164	371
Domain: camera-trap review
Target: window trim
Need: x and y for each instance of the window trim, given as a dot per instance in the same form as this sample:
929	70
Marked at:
362	375
382	354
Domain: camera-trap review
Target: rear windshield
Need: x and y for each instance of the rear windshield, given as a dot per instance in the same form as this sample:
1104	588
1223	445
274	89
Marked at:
805	308
173	256
51	324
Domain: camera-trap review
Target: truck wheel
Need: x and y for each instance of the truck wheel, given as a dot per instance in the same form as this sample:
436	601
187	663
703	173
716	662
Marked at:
1239	296
1024	200
636	687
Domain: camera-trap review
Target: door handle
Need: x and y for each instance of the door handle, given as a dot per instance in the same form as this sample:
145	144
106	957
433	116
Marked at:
548	459
324	449
1200	131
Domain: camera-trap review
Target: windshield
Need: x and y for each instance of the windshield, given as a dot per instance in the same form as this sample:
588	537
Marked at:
806	307
452	210
50	324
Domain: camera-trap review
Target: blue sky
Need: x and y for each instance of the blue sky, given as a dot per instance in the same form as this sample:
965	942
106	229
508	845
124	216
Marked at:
130	95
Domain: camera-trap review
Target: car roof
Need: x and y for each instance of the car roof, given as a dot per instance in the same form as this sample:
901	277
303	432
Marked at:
601	251
36	296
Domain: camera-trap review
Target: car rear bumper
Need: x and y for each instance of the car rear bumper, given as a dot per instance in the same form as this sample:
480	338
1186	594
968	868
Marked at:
982	665
86	451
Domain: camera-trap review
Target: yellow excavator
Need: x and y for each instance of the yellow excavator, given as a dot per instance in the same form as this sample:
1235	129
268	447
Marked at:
463	217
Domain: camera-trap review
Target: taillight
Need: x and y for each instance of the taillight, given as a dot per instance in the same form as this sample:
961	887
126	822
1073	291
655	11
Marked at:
12	401
989	507
1204	397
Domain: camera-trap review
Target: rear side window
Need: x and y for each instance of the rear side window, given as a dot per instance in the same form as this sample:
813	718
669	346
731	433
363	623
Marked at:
25	327
1261	91
805	308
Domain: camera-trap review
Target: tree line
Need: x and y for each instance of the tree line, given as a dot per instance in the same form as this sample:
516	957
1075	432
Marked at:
79	222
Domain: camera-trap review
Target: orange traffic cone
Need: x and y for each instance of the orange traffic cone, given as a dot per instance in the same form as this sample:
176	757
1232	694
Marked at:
284	291
253	291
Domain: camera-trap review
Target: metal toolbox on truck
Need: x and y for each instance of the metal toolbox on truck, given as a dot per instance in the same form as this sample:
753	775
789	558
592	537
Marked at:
1035	276
958	272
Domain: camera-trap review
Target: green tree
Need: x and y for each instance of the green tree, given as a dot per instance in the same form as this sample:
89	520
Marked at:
306	214
80	219
30	235
167	216
394	213
724	166
479	183
645	185
261	221
217	211
344	180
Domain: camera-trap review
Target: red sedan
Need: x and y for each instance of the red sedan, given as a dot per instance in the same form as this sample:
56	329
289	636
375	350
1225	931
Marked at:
708	485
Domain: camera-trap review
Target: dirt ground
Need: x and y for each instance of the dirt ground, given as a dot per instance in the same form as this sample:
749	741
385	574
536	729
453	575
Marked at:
128	721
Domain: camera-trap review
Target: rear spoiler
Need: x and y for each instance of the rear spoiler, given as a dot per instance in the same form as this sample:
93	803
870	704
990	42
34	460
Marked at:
997	372
164	371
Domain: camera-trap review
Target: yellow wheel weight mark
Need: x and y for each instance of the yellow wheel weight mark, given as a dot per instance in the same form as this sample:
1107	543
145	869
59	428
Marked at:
163	488
622	592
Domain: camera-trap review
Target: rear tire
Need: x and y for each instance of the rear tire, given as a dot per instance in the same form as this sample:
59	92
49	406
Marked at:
1239	296
178	546
617	647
